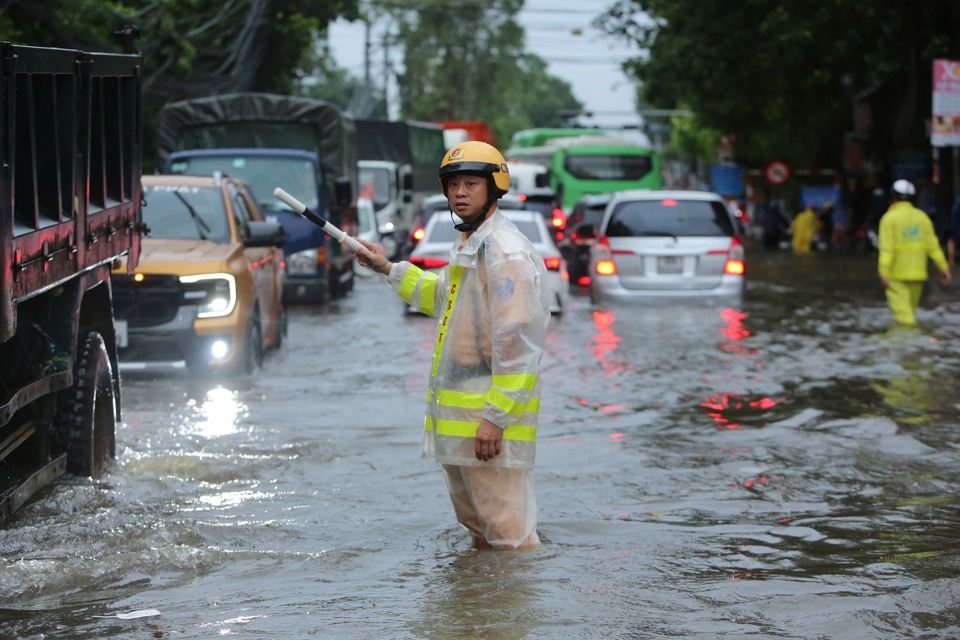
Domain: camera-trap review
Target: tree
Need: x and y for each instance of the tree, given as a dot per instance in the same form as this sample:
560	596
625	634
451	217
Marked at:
465	60
191	48
783	75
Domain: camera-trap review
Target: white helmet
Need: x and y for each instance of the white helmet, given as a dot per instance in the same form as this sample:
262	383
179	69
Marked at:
904	188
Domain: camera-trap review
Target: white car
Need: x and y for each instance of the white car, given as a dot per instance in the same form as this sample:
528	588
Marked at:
367	230
433	252
669	245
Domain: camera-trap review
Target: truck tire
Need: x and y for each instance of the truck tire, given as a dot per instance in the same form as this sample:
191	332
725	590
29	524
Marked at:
87	420
282	327
253	349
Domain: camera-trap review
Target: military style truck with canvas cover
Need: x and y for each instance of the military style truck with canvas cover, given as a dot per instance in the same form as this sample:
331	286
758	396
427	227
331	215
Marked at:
306	146
70	196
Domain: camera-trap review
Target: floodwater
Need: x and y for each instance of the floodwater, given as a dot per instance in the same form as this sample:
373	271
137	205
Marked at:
789	469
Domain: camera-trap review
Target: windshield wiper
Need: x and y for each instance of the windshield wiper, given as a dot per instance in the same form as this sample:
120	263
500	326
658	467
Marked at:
665	234
202	227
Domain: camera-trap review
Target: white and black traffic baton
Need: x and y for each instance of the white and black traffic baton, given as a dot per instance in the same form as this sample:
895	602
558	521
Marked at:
333	231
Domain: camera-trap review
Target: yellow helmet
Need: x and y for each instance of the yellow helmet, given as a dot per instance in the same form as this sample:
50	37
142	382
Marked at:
474	156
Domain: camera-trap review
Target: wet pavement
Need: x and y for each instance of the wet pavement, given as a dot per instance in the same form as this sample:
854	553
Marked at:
788	469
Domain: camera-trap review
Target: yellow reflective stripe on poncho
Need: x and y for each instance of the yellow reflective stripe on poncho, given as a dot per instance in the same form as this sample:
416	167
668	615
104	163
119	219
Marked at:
461	399
497	398
456	275
428	288
468	429
515	381
509	405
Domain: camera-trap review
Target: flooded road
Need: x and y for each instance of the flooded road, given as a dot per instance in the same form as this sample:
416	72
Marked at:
785	470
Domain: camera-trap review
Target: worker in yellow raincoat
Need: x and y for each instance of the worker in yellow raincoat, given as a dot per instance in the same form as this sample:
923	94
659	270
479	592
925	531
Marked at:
804	228
484	391
906	241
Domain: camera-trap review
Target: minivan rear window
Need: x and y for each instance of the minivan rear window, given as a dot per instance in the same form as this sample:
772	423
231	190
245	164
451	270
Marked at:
669	217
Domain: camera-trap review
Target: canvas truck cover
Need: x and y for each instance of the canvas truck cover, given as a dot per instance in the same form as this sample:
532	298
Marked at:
419	144
263	121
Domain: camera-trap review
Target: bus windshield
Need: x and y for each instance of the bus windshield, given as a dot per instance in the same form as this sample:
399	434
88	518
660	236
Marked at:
581	170
607	166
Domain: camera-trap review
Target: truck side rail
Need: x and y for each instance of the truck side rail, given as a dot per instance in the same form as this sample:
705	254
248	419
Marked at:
70	161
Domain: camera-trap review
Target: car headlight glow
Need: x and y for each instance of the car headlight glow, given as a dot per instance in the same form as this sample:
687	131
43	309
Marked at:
214	294
302	262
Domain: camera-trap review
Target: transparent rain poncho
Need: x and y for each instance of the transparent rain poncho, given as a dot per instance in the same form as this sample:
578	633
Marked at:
493	310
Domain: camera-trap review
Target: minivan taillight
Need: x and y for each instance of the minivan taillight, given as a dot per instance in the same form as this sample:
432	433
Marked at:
605	265
734	265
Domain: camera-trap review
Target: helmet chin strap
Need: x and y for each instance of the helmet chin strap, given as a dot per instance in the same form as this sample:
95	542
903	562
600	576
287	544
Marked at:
475	224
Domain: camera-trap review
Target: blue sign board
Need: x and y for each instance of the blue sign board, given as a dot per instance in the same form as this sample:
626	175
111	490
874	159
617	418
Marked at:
727	180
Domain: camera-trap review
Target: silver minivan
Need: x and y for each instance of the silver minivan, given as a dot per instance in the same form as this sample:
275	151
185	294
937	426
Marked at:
667	244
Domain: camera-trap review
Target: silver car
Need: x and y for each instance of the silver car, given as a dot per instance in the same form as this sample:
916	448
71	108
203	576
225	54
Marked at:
667	244
433	252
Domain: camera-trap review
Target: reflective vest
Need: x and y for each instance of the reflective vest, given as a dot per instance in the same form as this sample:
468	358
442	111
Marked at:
492	311
906	240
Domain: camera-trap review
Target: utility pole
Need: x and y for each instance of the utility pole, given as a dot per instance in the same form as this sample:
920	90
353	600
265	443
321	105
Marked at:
366	52
386	70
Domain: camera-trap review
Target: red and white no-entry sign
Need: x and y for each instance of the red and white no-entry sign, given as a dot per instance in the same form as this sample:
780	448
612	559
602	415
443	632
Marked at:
777	172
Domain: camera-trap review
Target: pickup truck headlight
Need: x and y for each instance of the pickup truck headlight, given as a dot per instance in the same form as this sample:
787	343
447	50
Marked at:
303	262
214	294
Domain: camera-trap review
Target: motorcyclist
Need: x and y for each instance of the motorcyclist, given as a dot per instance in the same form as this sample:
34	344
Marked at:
484	388
804	229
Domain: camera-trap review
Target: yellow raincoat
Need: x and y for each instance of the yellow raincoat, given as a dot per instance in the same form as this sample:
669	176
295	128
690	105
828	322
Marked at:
490	334
804	227
906	240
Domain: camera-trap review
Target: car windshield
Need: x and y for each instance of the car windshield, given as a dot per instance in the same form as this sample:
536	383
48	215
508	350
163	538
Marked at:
587	214
365	217
544	207
377	182
608	166
669	217
185	213
530	229
296	176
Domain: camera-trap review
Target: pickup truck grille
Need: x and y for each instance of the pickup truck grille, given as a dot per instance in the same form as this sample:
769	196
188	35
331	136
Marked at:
151	302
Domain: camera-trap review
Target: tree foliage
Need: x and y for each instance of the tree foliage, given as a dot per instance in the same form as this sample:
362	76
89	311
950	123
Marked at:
190	48
782	75
466	60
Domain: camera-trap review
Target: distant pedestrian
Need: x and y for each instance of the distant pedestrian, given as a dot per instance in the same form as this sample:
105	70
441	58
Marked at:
773	224
907	240
804	229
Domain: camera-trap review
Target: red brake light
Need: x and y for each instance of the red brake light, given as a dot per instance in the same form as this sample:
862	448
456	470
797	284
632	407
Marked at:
733	267
418	234
606	268
553	263
583	281
522	197
559	220
428	263
669	203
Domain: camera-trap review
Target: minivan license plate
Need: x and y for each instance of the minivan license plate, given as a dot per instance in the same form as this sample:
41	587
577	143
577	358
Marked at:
669	265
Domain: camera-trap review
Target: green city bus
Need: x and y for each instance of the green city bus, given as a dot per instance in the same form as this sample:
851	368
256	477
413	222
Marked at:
586	166
544	136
